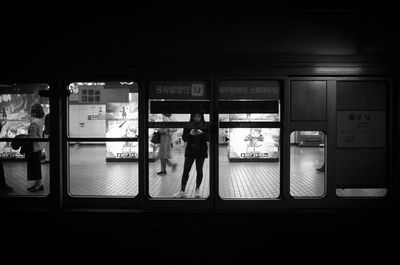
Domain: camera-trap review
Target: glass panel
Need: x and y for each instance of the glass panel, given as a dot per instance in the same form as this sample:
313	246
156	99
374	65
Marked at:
307	167
103	169
361	192
107	109
249	163
23	112
166	169
103	110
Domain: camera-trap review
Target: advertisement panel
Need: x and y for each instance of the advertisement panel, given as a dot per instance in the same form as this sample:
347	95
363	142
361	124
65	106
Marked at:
254	144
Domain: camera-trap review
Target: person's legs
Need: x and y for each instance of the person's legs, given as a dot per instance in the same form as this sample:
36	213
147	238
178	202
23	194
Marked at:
163	164
47	149
163	167
186	169
35	171
322	168
199	171
170	164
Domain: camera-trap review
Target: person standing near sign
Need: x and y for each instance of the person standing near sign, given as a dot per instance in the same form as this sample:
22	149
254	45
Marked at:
196	139
35	130
164	152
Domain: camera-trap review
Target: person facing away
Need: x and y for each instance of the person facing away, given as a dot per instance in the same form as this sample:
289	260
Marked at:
35	130
164	152
196	138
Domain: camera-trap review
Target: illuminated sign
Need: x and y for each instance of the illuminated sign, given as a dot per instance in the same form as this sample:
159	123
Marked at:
252	89
178	90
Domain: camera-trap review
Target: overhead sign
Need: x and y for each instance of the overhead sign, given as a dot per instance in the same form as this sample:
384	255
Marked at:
249	89
361	129
178	90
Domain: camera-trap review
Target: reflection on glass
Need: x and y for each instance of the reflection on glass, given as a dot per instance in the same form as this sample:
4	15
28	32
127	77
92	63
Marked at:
94	172
361	192
307	166
249	163
165	179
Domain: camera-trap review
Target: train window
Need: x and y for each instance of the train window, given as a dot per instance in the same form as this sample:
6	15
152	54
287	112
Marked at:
103	139
249	163
249	139
24	165
307	164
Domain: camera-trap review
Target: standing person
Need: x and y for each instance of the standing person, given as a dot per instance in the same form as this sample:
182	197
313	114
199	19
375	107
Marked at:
196	150
46	134
35	130
164	152
3	184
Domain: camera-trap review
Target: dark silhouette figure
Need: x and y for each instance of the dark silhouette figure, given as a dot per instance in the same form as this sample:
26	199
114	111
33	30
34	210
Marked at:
196	139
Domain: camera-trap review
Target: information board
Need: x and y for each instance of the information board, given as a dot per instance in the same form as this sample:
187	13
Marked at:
361	129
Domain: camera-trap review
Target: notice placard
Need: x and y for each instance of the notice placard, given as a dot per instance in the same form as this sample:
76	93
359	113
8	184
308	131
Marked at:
361	129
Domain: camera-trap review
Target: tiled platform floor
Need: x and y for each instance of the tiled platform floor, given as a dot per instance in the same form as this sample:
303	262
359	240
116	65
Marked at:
91	175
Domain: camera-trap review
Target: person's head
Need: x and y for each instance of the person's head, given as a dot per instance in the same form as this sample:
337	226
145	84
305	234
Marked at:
196	117
37	111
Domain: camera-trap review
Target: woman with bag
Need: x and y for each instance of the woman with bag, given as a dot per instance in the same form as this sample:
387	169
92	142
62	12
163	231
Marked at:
164	151
35	130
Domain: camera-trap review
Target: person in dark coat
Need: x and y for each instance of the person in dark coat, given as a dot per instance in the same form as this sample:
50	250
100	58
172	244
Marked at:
196	139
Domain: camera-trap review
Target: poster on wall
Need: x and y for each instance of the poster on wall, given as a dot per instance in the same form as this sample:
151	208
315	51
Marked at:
87	120
100	92
15	117
253	144
121	128
122	150
122	111
122	121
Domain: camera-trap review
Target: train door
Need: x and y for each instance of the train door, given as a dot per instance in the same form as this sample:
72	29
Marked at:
179	157
249	142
